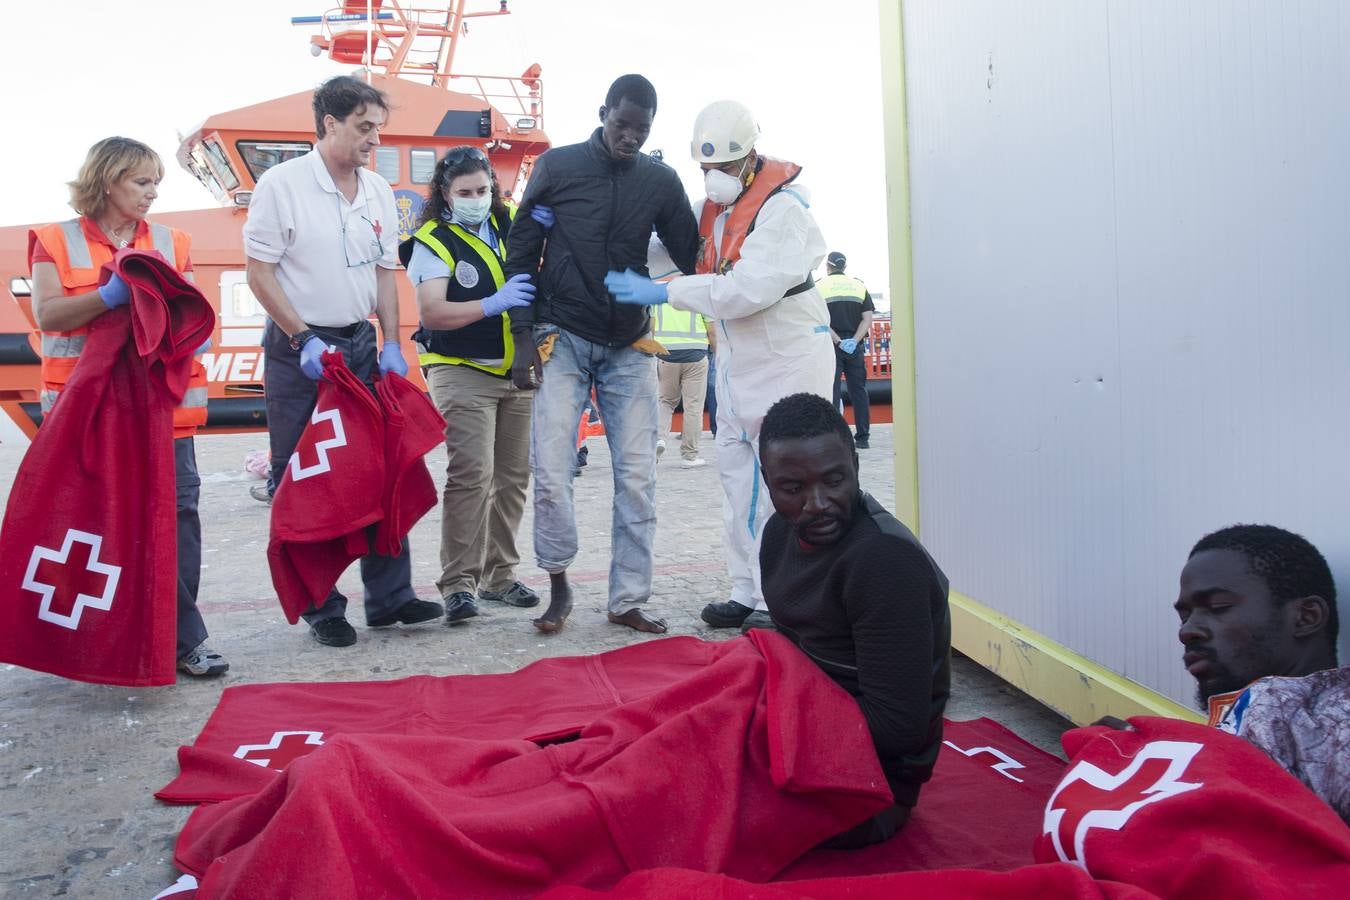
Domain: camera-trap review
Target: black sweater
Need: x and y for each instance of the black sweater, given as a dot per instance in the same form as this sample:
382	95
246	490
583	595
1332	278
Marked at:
871	611
604	210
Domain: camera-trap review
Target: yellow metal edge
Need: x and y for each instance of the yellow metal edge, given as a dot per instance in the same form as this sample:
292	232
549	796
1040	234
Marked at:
904	413
1072	685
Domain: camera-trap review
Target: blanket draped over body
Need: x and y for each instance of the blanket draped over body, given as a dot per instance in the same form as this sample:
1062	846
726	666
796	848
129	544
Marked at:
736	757
88	576
356	482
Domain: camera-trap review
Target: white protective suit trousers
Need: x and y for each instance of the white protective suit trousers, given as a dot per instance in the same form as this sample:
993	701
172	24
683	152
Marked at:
751	377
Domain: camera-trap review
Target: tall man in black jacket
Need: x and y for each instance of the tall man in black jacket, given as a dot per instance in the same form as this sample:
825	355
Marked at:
606	198
851	586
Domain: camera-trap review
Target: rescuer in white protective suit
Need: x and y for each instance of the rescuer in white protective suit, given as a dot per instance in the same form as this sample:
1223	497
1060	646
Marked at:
761	245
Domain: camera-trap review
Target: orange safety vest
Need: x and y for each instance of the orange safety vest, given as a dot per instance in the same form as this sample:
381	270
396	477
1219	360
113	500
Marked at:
770	177
78	261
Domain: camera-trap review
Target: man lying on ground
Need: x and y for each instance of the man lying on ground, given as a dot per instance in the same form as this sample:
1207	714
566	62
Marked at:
1259	623
854	589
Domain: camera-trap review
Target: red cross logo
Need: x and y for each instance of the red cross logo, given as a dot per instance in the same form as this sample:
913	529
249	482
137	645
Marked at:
284	748
1089	797
72	578
378	229
1005	763
299	471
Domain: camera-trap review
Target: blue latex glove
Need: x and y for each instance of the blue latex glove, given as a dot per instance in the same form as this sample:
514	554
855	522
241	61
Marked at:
391	360
630	287
848	345
543	215
311	358
203	348
115	293
518	291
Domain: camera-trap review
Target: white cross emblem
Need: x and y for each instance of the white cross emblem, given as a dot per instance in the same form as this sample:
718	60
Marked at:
103	601
283	748
339	439
1004	767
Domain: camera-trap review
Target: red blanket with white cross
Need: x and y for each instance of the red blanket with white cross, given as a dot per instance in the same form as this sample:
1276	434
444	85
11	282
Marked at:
356	482
89	570
1168	810
258	730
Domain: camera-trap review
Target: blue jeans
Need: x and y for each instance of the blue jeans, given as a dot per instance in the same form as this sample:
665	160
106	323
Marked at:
625	391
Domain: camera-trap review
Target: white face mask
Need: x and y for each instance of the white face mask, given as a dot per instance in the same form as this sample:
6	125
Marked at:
472	210
722	188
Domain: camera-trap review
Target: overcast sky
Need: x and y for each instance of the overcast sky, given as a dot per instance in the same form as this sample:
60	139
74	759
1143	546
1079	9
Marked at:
155	69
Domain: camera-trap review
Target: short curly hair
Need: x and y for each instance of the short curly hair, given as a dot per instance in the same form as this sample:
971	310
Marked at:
802	416
1288	563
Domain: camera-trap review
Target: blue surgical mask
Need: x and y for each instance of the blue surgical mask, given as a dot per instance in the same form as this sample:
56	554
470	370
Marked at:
472	211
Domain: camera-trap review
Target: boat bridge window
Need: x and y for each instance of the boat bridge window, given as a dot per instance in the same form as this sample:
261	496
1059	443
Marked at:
21	287
221	165
202	172
260	156
386	163
421	165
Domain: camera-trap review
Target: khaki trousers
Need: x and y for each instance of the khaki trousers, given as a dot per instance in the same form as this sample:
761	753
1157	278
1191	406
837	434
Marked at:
687	383
487	437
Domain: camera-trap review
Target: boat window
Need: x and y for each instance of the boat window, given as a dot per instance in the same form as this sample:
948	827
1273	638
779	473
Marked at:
224	171
202	172
21	287
260	156
421	165
386	163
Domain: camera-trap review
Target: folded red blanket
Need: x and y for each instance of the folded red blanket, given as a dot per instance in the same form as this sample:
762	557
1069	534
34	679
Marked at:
332	490
89	573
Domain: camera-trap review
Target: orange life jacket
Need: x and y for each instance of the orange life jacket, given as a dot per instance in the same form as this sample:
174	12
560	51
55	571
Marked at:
770	177
78	261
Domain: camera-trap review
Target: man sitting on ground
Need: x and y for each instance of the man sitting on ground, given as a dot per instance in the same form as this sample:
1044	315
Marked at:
1259	624
852	587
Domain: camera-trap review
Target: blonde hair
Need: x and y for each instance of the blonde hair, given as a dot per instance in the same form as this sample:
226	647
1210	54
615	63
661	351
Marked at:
108	162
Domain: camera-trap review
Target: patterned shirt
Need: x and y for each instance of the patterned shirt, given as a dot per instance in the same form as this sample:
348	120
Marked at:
1301	723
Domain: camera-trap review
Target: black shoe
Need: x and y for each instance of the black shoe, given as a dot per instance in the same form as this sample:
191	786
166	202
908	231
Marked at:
758	619
726	614
410	613
860	443
336	632
459	606
516	595
583	456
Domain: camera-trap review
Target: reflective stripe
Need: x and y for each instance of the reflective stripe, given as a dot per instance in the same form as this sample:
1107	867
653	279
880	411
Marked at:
62	346
679	328
48	399
162	236
754	493
194	397
77	248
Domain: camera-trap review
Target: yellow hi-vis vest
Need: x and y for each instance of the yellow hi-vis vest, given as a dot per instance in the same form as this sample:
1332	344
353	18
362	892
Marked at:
679	329
841	287
437	236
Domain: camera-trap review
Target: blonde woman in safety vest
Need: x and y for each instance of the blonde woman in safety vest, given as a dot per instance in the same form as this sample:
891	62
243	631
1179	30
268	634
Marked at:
454	260
114	190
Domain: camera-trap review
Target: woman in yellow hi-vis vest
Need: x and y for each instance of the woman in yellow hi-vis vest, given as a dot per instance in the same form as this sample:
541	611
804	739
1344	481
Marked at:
455	261
113	193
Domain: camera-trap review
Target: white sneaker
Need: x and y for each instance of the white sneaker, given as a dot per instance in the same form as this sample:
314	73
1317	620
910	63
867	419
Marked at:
203	662
695	463
660	448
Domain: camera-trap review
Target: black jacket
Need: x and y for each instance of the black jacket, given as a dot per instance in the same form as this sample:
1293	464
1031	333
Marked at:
605	210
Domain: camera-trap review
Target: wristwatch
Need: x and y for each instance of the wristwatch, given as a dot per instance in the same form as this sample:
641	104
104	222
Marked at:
298	339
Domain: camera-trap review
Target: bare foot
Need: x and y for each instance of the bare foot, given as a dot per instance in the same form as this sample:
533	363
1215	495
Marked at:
559	605
638	620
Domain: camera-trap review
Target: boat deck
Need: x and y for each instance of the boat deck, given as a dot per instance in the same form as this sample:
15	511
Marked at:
79	762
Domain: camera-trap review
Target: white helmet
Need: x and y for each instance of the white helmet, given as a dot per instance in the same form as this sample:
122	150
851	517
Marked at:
724	131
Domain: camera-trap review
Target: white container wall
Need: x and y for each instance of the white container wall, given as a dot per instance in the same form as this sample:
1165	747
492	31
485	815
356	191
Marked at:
1131	269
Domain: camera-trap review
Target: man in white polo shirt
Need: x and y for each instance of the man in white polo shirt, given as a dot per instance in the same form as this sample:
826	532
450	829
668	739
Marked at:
322	242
